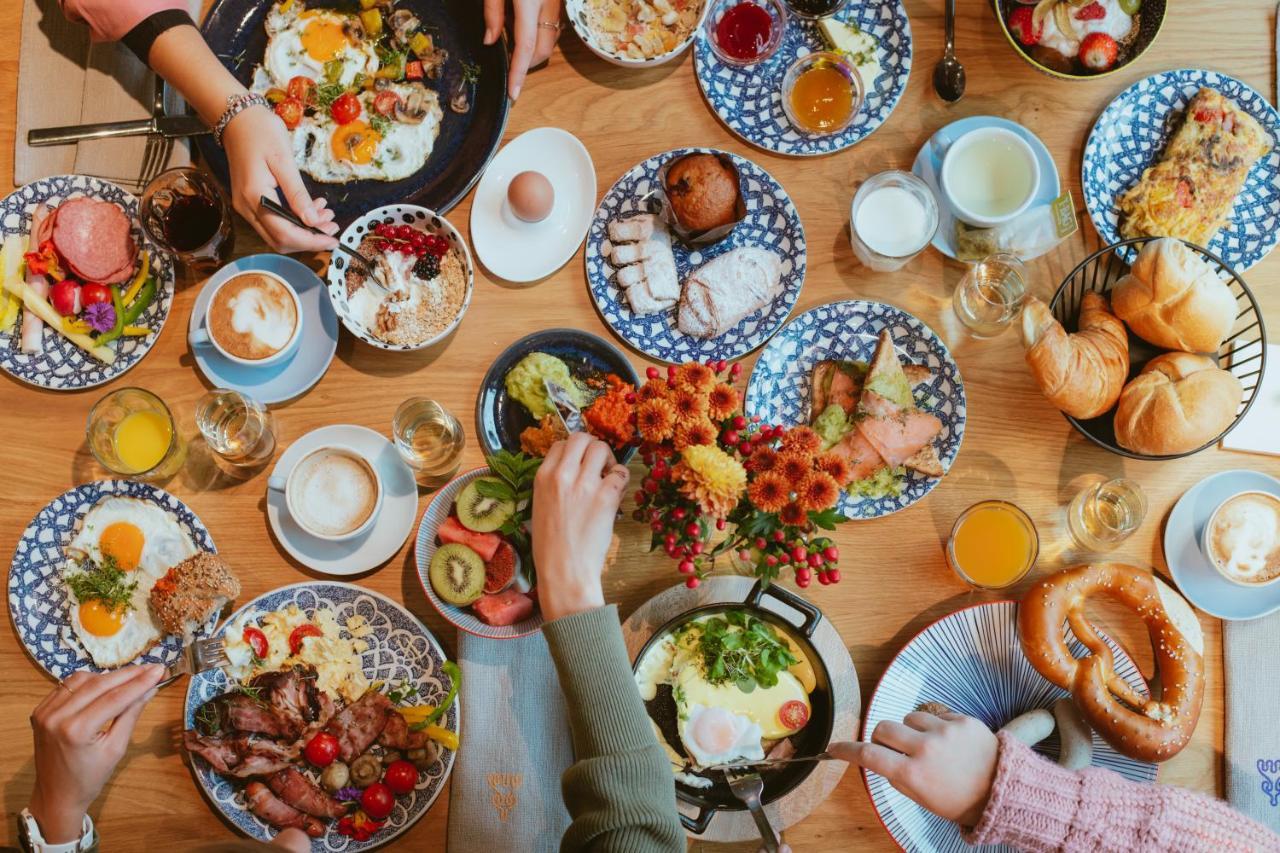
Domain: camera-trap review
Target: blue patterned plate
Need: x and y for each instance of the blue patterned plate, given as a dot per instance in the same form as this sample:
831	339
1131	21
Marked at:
461	617
749	100
38	601
401	649
1131	134
63	366
772	223
972	662
779	393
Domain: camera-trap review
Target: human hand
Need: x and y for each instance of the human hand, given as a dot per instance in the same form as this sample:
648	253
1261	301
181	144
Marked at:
81	732
533	41
575	500
945	763
292	839
260	155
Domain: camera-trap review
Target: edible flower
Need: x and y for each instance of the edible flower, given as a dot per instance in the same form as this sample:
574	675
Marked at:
44	261
359	826
711	478
100	316
349	794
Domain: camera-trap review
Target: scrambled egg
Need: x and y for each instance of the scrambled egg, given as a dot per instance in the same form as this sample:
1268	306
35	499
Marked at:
335	652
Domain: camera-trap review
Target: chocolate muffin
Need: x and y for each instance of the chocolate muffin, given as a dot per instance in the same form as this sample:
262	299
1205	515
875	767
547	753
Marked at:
703	192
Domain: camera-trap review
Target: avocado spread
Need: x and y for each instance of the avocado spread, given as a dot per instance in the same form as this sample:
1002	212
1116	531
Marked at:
525	383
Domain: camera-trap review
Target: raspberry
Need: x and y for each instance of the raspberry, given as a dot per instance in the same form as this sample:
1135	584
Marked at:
427	267
1021	24
1092	12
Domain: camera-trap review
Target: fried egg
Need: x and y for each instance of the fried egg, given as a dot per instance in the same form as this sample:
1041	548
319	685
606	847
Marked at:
334	154
144	541
719	736
301	42
762	706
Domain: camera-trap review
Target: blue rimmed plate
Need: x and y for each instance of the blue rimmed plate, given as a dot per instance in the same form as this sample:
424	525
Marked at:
61	365
972	662
38	601
460	617
1131	135
749	100
401	649
779	389
772	222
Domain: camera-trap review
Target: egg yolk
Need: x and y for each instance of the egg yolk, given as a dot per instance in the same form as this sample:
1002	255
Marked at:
99	619
324	39
122	542
355	142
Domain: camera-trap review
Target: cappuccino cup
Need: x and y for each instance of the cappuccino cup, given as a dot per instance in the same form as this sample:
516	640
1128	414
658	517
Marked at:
332	493
1242	539
253	318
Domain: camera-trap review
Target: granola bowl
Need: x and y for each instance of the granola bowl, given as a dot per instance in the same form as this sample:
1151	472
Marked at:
426	266
613	29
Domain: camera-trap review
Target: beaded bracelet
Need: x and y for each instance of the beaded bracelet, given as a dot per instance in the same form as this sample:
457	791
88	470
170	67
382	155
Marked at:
237	104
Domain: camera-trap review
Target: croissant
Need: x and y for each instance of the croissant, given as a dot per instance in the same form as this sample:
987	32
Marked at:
1081	373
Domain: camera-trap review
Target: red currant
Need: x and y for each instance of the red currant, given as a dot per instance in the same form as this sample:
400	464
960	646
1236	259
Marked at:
692	583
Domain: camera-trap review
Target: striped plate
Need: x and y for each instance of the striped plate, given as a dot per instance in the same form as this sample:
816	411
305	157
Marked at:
971	661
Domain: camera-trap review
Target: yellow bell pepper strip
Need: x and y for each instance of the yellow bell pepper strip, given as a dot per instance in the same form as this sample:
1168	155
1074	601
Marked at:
421	44
145	296
78	327
136	284
455	681
372	20
415	714
136	331
117	301
33	301
444	737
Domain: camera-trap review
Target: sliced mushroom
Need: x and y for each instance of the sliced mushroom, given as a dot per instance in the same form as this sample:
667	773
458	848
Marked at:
353	29
460	102
433	63
403	25
412	106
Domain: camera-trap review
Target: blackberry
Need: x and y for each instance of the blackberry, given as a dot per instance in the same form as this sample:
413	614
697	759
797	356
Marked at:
427	267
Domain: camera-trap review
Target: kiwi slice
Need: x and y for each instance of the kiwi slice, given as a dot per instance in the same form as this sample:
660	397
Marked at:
457	574
480	513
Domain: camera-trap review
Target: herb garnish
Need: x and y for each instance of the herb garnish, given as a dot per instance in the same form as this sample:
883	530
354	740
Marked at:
103	581
381	125
742	649
470	72
401	692
516	472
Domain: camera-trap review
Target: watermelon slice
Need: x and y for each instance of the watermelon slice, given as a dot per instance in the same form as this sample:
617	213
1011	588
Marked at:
505	608
484	544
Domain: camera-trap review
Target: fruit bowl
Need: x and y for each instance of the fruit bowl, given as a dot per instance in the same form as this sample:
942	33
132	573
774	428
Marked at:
440	513
1149	20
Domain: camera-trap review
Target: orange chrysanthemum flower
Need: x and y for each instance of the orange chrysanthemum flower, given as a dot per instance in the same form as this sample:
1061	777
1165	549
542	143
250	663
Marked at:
722	402
697	376
837	466
802	440
818	492
694	433
768	493
793	515
689	404
794	467
711	478
763	459
656	420
654	389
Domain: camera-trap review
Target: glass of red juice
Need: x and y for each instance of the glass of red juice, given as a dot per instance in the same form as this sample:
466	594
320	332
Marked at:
745	32
187	214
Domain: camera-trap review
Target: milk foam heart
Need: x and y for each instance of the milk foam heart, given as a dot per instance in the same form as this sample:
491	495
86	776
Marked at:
253	316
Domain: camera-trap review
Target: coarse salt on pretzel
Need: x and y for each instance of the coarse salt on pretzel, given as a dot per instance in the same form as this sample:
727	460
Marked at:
1147	729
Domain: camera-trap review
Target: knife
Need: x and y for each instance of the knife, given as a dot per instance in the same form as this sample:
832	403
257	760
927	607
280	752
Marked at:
565	408
772	763
168	127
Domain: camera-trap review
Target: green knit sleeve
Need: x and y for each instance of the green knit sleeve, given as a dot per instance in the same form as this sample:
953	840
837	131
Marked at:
619	792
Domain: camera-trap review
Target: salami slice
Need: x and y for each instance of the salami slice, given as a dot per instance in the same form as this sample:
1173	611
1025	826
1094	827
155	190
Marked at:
93	238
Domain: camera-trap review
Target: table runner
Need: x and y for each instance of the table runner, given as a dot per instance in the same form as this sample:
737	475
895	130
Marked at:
1252	747
505	792
95	82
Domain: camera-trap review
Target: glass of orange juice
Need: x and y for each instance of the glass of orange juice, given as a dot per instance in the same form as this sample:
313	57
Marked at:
993	544
131	431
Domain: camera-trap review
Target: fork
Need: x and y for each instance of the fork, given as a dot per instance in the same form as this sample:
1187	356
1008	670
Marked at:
197	656
748	787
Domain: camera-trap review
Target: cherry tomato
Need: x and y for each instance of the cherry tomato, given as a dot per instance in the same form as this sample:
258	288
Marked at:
322	749
401	776
301	633
384	103
92	293
290	111
301	88
345	109
793	715
377	801
257	641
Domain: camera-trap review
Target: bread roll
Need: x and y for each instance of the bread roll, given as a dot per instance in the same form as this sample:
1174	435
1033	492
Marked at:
1176	404
1082	374
1173	298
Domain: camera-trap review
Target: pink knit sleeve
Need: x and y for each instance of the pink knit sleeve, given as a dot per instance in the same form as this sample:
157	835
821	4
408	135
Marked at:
109	20
1036	805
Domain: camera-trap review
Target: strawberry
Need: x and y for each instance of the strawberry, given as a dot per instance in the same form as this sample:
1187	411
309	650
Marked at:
1021	24
1098	51
1092	12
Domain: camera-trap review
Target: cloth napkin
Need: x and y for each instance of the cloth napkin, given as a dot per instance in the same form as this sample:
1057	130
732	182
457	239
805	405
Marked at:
1252	736
505	793
1257	432
65	79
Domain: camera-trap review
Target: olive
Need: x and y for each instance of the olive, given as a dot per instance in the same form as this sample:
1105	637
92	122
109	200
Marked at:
423	758
366	770
335	777
1130	7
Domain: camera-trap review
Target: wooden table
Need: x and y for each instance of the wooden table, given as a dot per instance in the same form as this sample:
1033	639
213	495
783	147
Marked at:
896	580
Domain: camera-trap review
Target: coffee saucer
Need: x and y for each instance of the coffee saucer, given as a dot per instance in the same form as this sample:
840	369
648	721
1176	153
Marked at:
928	166
1199	581
527	251
293	376
382	540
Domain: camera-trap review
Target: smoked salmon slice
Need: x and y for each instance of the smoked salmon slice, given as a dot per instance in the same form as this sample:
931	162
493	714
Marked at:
896	432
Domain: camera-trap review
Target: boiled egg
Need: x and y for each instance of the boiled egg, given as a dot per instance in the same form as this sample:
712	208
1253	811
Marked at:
302	42
531	196
714	735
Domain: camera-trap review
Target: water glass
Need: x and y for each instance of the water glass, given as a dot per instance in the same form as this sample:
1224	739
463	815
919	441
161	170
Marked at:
430	440
1103	515
187	214
893	217
990	295
236	427
132	432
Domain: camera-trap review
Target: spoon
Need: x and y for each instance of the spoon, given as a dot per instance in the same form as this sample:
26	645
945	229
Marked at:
948	75
370	268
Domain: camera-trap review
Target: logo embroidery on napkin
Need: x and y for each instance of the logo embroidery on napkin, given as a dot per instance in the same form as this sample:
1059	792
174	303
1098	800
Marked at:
1270	771
504	797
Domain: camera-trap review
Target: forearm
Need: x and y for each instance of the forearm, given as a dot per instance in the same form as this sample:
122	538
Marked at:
181	56
59	823
619	792
1038	806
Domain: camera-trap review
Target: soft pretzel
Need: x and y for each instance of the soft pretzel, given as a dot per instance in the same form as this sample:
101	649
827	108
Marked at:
1147	729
